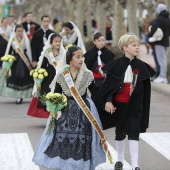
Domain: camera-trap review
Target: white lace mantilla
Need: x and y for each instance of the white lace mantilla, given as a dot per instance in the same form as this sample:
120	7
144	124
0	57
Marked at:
69	40
84	79
21	44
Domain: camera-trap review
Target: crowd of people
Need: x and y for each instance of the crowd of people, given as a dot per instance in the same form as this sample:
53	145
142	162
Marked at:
102	92
157	32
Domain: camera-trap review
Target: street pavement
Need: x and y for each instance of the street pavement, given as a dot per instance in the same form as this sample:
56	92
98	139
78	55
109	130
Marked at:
20	134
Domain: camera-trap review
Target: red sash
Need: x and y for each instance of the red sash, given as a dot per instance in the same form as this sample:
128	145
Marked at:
124	96
98	74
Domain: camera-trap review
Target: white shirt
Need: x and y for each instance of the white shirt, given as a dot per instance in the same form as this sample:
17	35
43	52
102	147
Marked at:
128	75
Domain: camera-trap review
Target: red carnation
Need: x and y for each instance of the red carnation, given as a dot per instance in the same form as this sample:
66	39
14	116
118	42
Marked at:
136	71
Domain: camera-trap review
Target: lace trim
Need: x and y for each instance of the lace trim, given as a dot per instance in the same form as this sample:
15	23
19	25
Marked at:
60	79
66	149
71	39
21	44
84	79
73	135
15	87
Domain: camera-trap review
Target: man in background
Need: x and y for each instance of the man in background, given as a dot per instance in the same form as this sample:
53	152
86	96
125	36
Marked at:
40	36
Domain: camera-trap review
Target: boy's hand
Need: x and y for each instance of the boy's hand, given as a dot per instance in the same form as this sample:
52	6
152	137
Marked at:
131	89
34	64
109	107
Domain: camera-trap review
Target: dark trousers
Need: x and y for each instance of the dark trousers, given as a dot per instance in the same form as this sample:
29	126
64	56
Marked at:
156	62
118	116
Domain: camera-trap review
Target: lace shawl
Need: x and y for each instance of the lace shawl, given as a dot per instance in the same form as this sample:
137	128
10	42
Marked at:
84	79
71	39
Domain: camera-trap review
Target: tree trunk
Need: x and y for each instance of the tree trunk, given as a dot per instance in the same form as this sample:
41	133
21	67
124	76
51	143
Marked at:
132	20
70	9
101	17
49	8
168	5
118	20
150	9
80	16
88	20
65	13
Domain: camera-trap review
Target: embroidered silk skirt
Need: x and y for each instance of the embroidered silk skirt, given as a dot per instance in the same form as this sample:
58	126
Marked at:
74	144
9	92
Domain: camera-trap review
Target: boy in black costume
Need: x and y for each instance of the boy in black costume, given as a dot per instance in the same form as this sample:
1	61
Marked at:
126	95
95	58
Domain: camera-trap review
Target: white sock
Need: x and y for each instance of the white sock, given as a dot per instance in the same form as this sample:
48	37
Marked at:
134	147
120	150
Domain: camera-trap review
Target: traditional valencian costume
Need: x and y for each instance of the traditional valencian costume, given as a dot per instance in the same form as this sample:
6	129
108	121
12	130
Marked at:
38	41
3	41
30	28
49	62
75	143
19	83
94	59
75	38
131	116
132	111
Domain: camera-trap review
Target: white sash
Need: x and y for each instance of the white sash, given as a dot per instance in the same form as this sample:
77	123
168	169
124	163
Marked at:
5	37
51	57
22	55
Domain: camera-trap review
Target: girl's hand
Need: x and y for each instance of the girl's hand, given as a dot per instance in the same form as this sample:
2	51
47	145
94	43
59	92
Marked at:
109	107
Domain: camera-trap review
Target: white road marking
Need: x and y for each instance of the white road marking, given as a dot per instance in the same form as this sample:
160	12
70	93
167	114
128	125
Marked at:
16	152
159	141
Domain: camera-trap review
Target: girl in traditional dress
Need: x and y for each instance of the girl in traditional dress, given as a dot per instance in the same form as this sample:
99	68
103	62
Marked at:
74	143
72	35
4	37
50	57
19	83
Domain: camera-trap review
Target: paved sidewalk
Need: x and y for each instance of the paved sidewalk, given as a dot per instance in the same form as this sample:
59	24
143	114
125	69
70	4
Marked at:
163	88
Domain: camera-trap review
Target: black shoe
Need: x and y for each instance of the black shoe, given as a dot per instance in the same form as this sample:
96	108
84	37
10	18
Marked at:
118	166
19	100
137	168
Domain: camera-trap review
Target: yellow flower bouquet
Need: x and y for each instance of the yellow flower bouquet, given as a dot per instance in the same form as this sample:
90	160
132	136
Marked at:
38	74
8	60
68	45
55	102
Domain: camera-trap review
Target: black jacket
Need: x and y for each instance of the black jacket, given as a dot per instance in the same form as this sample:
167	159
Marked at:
163	22
3	46
24	24
139	103
91	58
37	43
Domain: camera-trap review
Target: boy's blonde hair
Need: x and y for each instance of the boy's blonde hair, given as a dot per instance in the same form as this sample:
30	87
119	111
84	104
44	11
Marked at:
127	39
